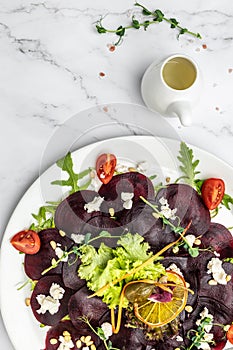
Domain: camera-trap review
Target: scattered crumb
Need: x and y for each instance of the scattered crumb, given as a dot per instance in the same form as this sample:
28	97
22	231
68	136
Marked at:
198	49
105	109
215	84
204	46
101	74
230	70
217	108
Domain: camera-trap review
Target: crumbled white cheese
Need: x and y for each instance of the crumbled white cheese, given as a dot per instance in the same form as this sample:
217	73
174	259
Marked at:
50	302
56	291
127	197
60	254
94	205
190	240
165	210
64	344
107	329
205	314
47	303
121	168
77	238
173	267
95	182
215	267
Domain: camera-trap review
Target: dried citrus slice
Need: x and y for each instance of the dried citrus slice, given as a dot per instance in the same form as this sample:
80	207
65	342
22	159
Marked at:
159	313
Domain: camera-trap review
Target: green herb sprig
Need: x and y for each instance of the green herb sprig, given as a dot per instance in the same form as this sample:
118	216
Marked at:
197	336
152	17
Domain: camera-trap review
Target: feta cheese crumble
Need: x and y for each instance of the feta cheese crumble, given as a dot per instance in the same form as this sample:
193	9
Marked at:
218	273
94	205
65	344
173	267
205	314
50	302
60	253
127	197
77	238
107	329
190	239
165	210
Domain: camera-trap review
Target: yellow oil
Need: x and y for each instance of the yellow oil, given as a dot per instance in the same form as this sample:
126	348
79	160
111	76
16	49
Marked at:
179	73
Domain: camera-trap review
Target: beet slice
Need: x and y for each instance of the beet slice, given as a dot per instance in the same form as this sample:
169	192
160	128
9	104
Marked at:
130	182
70	273
43	288
98	224
93	308
35	264
70	214
189	205
220	239
56	334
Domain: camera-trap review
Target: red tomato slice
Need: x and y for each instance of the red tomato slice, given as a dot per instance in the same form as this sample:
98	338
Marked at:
212	192
230	334
27	242
105	167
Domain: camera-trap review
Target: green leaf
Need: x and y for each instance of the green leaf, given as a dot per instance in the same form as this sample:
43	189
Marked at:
227	200
44	218
145	11
159	15
135	23
174	22
188	164
120	31
100	29
66	164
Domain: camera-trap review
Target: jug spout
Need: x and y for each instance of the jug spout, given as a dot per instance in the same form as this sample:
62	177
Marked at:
182	110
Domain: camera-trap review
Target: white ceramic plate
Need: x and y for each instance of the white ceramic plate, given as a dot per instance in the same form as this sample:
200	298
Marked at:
160	155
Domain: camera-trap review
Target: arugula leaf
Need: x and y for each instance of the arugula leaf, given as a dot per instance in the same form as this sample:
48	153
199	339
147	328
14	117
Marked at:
227	200
44	218
188	165
101	267
66	164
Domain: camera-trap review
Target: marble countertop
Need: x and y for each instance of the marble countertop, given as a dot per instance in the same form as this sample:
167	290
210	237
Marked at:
62	85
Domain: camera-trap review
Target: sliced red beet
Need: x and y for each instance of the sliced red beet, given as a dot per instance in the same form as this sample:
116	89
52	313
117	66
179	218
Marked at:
35	264
70	214
131	182
189	205
70	274
219	292
43	288
56	336
79	306
220	239
98	224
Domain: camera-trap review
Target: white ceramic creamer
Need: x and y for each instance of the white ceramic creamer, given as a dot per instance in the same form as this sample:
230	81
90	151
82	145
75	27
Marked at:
172	87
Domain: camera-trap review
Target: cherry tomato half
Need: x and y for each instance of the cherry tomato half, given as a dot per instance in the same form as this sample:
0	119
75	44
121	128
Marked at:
105	167
27	242
230	334
212	192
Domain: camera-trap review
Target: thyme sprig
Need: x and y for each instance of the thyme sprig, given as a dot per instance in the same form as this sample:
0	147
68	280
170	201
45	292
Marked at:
152	17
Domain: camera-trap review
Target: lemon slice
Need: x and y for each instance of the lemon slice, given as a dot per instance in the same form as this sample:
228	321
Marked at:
156	313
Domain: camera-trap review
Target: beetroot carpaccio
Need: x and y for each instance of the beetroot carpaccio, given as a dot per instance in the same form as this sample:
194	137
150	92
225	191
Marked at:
173	220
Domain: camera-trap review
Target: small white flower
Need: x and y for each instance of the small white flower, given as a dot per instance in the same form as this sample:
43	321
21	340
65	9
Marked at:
107	329
56	291
165	210
208	337
204	346
77	238
94	205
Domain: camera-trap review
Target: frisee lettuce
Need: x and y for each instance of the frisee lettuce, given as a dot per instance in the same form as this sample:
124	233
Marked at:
103	266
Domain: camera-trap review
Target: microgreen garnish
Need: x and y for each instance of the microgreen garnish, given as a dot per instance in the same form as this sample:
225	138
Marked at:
230	260
28	281
100	333
66	164
188	165
151	17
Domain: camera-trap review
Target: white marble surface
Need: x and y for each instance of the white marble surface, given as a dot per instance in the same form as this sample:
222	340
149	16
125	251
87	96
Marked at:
50	60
